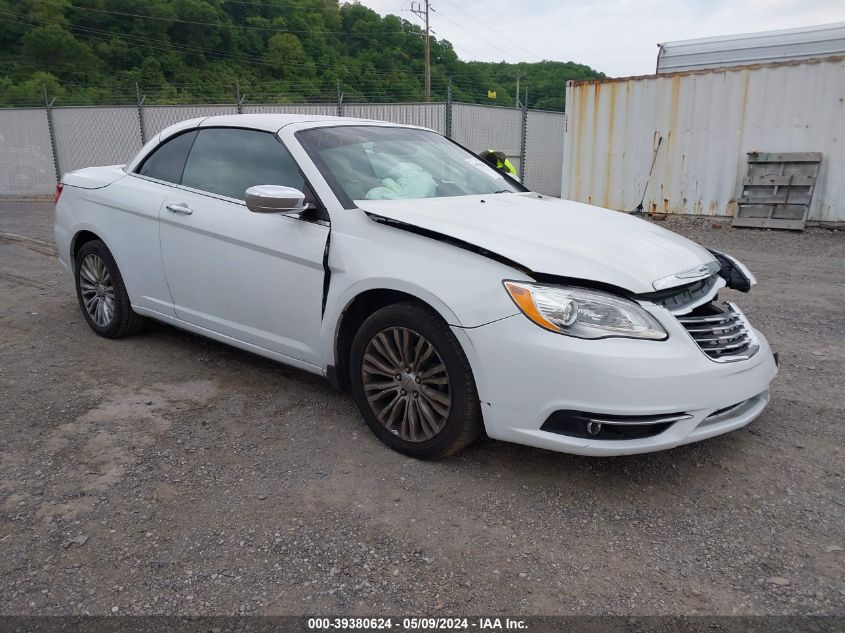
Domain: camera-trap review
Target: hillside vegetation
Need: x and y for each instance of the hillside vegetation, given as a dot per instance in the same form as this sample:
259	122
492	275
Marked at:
190	51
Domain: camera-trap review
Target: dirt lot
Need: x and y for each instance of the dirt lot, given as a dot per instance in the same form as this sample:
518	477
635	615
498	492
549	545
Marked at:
170	474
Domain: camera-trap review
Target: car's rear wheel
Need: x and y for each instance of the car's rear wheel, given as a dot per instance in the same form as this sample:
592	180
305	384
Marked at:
413	383
102	294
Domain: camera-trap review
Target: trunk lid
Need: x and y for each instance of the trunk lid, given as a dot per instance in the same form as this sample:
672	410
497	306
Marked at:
93	177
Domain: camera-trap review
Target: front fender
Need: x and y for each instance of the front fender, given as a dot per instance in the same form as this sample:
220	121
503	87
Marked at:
464	288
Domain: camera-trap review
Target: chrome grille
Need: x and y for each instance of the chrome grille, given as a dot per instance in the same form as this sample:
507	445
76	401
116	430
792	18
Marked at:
722	332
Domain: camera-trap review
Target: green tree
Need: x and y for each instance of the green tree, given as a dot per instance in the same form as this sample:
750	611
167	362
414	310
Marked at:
183	51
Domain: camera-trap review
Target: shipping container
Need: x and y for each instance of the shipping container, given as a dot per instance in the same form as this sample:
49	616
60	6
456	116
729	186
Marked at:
708	122
809	42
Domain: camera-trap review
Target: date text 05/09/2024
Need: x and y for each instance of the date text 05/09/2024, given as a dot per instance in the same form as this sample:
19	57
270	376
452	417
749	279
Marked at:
416	624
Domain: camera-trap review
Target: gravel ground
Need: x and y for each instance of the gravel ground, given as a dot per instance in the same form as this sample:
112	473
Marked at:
169	474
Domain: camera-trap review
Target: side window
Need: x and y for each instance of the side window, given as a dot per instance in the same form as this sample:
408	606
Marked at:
228	161
168	160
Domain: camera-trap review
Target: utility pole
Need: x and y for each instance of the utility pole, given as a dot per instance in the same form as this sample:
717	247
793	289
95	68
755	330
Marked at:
517	90
417	9
339	98
140	102
48	106
239	96
523	142
449	108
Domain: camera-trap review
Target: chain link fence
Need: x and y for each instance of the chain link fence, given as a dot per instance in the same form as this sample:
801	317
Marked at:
544	151
481	127
39	144
26	155
95	136
156	118
430	115
320	109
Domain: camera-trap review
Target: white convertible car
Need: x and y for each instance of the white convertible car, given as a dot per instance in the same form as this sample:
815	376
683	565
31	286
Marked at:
445	296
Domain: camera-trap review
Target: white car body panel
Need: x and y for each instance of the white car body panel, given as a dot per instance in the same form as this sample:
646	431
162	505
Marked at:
448	277
612	376
94	177
601	245
257	277
259	282
228	340
125	216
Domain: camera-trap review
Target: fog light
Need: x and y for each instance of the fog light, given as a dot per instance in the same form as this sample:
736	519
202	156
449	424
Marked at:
593	428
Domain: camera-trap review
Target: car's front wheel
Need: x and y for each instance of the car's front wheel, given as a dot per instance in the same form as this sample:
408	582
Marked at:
101	293
413	383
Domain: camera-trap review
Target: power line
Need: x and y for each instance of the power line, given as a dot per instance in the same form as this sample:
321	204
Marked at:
293	7
460	26
310	86
90	32
227	26
489	28
346	4
188	49
91	29
315	9
224	26
416	9
474	34
25	61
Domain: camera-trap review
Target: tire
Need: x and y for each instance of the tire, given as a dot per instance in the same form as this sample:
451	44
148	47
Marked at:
99	283
414	419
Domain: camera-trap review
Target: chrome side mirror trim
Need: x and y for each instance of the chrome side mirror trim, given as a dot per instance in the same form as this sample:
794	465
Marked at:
275	199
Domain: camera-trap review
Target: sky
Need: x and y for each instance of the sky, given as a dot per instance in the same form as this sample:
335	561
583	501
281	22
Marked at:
617	37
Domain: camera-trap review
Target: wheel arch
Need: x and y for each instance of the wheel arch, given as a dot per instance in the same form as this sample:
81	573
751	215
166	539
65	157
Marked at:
357	309
86	231
79	239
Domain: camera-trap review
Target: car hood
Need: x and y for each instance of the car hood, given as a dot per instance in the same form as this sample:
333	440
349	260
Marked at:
554	237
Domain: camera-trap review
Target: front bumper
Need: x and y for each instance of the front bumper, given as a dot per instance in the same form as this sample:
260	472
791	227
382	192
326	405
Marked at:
525	374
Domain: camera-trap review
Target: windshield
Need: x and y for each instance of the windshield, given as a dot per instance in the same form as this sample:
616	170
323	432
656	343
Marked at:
388	163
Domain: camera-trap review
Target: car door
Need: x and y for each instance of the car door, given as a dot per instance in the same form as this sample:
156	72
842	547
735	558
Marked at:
134	237
253	277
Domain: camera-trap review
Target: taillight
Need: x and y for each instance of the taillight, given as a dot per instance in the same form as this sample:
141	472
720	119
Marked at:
59	188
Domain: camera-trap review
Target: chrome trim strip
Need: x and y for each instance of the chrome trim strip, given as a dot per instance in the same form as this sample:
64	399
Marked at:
727	337
726	328
716	318
745	341
726	412
736	410
687	276
635	422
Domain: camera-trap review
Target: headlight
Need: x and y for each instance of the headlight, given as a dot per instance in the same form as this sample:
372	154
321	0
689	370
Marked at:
583	313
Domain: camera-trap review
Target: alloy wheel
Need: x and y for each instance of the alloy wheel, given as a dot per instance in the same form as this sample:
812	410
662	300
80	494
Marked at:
95	285
406	384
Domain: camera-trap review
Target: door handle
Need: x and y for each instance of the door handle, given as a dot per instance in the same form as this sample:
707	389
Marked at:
180	208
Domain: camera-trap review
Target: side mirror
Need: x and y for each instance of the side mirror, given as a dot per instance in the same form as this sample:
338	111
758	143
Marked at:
275	199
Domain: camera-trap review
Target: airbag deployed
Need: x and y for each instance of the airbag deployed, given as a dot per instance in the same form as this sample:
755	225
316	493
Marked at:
407	180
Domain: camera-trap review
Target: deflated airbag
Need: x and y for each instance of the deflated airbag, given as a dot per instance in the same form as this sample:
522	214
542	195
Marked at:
407	180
